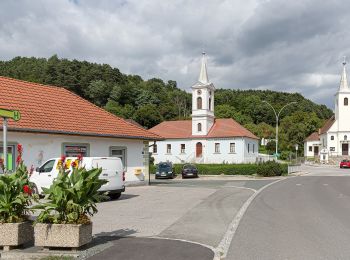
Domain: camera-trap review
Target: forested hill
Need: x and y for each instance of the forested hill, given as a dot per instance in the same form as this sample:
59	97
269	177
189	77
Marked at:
151	101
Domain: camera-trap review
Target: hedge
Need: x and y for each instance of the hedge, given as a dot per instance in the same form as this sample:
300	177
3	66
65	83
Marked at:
235	169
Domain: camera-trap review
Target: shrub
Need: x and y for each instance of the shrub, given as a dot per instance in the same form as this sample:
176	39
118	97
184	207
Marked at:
272	168
15	192
72	197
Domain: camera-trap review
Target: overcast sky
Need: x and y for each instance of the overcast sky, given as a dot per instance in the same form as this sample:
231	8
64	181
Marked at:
293	46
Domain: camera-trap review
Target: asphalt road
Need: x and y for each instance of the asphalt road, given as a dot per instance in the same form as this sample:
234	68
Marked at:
304	217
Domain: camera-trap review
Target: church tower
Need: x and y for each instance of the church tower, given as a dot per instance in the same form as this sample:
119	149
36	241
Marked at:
342	106
202	102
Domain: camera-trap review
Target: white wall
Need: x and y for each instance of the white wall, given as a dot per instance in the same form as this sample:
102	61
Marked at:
308	153
209	155
51	146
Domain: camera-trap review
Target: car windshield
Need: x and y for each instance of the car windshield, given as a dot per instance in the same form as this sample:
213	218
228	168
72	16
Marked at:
189	167
345	160
164	167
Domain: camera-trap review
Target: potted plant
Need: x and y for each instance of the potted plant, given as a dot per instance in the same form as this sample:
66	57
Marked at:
15	200
69	202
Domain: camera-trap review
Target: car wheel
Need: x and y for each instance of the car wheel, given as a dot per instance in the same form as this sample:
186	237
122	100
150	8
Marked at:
115	196
183	177
35	189
155	177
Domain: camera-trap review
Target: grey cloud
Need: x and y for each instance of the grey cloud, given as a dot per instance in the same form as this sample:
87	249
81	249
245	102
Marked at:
280	45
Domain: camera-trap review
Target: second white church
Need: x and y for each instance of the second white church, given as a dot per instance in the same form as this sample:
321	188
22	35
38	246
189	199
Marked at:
204	139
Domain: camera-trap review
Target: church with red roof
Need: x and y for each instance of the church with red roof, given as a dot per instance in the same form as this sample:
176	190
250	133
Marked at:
204	138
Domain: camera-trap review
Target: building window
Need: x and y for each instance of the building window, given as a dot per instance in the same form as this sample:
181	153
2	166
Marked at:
332	149
199	103
155	148
199	127
168	148
345	137
183	148
332	137
210	104
73	150
310	148
346	101
11	157
232	147
248	148
120	152
217	148
253	148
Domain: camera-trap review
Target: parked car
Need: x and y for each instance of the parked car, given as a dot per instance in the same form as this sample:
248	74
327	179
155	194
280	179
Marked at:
165	170
112	170
345	164
189	170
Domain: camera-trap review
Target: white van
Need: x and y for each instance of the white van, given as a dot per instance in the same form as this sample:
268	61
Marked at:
112	170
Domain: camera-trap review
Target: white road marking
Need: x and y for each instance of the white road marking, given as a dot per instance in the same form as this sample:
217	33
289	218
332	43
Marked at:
239	187
325	184
298	184
224	245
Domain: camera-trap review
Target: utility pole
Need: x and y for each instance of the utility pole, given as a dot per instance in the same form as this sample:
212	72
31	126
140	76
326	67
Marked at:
277	115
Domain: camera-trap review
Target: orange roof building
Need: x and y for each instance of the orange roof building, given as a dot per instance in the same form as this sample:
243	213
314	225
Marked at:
204	139
55	121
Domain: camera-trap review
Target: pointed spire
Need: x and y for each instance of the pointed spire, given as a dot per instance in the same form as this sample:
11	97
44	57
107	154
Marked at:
203	75
344	81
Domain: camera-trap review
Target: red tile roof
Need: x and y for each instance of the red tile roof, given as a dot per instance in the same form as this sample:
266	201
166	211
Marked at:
327	125
313	137
182	129
49	109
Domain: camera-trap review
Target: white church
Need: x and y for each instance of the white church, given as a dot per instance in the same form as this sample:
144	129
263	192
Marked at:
332	140
204	139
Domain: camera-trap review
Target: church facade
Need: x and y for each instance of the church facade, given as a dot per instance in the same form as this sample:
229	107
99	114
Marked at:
332	140
204	139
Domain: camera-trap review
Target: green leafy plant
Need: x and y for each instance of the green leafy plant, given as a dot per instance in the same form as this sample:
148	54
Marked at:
272	168
72	197
15	192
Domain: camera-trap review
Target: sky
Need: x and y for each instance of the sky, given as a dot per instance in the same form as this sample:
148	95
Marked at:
291	46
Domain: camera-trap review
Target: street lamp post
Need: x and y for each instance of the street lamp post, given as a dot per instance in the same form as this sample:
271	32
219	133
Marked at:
277	115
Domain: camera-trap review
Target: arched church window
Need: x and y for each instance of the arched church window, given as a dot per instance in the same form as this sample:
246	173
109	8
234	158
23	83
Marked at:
209	103
345	137
199	127
346	101
199	103
199	92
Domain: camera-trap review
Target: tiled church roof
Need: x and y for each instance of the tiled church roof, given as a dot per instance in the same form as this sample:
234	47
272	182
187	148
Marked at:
182	129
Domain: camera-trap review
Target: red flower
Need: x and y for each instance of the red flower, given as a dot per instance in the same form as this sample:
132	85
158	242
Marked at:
2	166
27	189
19	159
63	158
74	164
19	148
80	157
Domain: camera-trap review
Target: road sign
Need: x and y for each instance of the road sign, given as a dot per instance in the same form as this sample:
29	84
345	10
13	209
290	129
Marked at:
6	114
13	114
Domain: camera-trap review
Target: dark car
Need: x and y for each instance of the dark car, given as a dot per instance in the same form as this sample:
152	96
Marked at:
189	170
165	170
345	164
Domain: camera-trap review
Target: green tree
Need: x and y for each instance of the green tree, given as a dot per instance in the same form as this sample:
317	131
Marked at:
148	116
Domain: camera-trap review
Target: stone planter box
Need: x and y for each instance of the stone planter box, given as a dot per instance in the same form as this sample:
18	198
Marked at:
62	235
15	234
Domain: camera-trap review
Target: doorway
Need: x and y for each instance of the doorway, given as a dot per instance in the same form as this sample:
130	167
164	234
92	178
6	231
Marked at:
199	150
315	150
345	149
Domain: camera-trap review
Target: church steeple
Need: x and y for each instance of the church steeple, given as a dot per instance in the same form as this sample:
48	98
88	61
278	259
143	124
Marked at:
343	80
202	102
203	75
